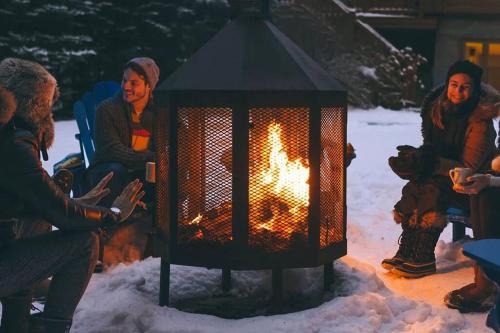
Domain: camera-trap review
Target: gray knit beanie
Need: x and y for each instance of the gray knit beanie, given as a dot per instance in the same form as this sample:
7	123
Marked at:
149	67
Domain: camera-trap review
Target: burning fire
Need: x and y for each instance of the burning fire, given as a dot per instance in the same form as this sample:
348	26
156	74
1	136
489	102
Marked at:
280	191
288	179
279	198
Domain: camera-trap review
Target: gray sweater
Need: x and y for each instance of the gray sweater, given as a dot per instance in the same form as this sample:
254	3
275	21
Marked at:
113	134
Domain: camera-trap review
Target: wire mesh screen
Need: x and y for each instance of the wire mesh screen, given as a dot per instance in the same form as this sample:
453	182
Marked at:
205	180
332	175
279	173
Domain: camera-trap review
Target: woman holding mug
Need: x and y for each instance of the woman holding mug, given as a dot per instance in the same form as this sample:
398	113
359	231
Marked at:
457	125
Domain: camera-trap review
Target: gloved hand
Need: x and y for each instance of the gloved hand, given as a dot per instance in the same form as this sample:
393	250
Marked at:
64	179
350	154
414	163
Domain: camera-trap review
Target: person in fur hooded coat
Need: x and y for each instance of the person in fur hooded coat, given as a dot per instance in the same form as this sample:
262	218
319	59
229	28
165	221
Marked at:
27	192
457	129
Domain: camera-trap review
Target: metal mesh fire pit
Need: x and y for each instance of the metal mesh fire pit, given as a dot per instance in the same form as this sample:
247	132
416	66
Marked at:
250	151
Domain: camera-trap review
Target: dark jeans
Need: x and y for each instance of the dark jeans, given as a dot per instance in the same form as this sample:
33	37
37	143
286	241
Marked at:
485	213
68	256
121	177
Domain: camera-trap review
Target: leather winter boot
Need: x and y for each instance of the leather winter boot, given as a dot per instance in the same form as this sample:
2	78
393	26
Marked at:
406	242
474	297
15	313
41	324
423	260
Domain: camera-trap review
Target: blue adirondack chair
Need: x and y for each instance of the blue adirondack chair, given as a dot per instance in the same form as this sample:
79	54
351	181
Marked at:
84	113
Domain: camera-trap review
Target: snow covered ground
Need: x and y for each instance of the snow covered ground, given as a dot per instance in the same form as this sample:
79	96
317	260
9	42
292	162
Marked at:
370	300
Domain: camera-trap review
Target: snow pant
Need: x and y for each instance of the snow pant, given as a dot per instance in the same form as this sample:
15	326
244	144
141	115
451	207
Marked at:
484	213
68	256
423	204
121	177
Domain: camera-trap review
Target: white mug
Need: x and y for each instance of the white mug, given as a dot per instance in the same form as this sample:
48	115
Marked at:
150	172
459	175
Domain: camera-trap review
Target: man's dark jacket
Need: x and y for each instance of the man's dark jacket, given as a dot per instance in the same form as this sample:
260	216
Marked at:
25	187
113	134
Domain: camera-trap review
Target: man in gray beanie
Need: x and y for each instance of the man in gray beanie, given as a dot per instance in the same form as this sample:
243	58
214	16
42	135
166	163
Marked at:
123	130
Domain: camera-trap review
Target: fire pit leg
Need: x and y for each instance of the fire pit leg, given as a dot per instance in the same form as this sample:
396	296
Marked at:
164	283
328	275
226	280
277	284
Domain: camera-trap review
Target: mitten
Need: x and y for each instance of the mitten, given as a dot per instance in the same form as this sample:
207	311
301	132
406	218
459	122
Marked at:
404	165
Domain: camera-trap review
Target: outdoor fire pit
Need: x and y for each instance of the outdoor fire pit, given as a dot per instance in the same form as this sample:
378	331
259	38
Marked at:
250	150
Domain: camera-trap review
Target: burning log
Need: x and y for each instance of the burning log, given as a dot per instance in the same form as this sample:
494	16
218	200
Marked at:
213	226
216	223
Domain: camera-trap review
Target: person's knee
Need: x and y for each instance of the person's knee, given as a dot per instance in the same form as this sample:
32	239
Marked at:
93	244
120	172
88	243
117	168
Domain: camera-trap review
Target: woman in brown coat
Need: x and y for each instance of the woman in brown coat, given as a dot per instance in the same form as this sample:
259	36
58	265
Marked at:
458	131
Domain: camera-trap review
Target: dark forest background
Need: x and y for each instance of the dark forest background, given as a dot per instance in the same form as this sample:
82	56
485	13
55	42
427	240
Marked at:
82	42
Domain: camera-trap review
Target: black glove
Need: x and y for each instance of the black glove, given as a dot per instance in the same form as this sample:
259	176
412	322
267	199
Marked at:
414	163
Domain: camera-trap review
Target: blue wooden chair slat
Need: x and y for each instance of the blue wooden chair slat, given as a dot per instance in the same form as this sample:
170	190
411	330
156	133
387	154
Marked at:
80	114
88	101
103	90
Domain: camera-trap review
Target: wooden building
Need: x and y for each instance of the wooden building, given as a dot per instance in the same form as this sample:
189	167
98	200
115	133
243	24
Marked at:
441	30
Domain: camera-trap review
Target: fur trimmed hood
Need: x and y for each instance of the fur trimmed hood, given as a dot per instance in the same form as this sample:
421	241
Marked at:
7	105
488	106
35	90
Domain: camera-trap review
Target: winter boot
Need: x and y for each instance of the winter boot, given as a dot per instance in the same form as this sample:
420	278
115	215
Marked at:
423	260
406	241
15	313
41	324
475	297
493	319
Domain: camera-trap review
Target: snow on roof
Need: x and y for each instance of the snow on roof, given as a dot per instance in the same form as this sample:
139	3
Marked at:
369	14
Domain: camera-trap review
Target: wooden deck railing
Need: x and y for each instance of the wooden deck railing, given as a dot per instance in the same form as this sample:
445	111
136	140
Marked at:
428	7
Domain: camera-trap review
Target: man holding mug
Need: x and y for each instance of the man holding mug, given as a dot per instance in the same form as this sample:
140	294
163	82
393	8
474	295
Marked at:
123	132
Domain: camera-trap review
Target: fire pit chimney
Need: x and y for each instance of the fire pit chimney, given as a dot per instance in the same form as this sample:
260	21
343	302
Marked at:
256	8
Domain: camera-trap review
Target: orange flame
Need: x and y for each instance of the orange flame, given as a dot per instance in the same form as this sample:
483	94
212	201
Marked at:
283	179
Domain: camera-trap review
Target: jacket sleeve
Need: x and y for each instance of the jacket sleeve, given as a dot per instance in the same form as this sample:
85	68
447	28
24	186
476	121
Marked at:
107	140
479	143
30	182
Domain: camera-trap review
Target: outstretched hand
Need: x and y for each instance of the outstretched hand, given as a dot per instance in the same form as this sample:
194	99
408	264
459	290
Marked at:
129	198
95	195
